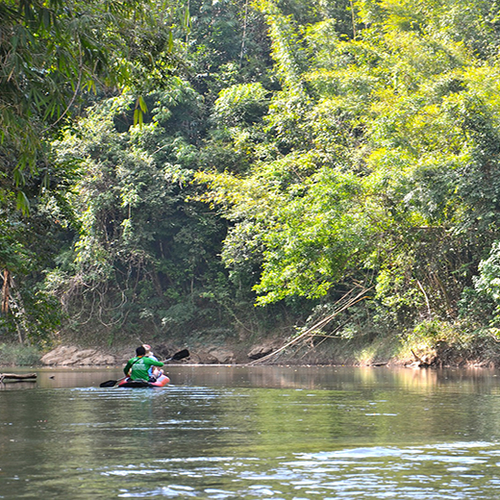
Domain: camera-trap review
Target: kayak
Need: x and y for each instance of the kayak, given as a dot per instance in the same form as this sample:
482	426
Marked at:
162	381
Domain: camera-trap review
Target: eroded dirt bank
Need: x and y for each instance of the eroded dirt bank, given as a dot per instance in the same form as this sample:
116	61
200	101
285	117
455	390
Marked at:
388	350
73	356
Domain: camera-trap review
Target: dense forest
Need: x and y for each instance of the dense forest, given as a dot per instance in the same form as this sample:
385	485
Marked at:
230	170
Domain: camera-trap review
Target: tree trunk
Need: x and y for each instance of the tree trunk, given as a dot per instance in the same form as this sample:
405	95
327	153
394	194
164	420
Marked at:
16	376
5	291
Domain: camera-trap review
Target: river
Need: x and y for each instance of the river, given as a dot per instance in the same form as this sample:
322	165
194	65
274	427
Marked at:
219	432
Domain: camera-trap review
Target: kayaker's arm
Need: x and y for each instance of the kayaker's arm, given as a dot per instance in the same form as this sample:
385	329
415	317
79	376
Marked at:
129	364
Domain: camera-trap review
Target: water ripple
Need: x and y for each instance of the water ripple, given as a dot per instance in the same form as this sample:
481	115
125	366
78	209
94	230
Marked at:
446	471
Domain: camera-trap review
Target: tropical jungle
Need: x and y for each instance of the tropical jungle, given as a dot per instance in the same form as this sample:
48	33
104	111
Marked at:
323	175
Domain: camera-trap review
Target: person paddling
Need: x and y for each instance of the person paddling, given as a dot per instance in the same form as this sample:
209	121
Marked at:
137	368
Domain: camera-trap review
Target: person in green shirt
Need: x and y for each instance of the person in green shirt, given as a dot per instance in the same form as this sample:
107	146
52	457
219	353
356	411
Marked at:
137	368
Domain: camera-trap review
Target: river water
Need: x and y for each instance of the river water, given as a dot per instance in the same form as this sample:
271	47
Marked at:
254	433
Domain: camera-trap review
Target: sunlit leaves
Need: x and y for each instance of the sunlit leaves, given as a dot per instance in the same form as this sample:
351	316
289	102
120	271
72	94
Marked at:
241	104
287	49
316	236
140	109
407	112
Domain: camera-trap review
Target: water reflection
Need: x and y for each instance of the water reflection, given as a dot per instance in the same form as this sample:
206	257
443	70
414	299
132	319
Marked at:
306	377
336	378
17	385
254	432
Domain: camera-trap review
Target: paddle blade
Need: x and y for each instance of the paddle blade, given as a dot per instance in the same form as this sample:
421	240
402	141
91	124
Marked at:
108	383
180	355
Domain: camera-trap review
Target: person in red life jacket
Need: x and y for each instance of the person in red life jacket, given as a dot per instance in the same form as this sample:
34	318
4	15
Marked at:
137	368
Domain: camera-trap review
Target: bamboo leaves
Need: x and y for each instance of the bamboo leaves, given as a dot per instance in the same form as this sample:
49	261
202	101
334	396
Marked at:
140	109
371	145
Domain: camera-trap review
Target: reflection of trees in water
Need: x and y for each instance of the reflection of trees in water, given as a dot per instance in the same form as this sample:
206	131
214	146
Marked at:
215	417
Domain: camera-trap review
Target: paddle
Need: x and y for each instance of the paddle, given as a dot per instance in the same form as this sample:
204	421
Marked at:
176	357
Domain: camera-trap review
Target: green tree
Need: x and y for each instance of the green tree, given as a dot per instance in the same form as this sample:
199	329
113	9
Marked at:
377	159
144	252
55	56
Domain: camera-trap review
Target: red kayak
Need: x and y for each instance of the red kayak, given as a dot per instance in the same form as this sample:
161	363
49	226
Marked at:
161	381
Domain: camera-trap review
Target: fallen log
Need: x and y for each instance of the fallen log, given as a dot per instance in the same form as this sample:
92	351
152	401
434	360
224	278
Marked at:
16	376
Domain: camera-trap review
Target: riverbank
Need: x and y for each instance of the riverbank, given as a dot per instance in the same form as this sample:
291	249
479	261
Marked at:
423	348
67	355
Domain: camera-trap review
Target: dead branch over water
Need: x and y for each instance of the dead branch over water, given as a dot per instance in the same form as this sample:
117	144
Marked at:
348	300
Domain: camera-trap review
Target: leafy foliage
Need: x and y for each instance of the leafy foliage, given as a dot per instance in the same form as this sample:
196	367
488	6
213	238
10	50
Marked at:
313	146
389	142
53	56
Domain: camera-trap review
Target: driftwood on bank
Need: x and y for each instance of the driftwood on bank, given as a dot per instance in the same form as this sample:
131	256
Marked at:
16	376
